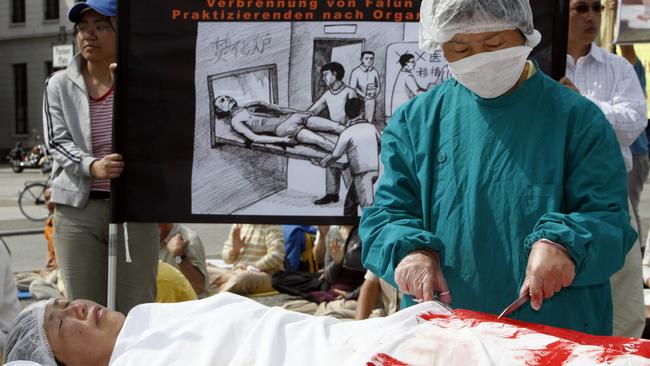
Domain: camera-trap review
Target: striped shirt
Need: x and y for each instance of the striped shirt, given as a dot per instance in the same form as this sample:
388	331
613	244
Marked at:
101	130
263	247
610	82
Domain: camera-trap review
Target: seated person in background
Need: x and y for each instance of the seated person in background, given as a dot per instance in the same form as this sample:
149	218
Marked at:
47	284
336	292
255	251
320	247
295	244
227	329
172	285
9	305
181	248
343	268
50	264
264	123
376	298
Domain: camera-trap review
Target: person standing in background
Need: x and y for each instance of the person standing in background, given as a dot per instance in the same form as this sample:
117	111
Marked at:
77	117
364	79
639	149
333	100
406	86
609	81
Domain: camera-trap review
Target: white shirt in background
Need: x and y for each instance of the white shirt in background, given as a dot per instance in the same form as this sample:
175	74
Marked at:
610	82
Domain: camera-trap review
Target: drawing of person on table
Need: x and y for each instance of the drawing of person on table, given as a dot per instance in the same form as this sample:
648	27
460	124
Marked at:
265	123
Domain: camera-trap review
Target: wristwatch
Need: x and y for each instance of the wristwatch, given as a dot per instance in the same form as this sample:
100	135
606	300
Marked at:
179	258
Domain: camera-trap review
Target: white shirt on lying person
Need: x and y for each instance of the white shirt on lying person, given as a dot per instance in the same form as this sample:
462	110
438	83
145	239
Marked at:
228	329
610	82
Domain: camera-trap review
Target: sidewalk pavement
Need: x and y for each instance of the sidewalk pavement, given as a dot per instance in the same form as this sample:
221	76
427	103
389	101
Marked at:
29	251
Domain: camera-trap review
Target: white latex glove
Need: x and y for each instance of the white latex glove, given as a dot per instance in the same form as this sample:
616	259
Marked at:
550	268
419	274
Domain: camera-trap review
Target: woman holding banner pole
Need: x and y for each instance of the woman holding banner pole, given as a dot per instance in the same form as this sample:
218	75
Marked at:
77	113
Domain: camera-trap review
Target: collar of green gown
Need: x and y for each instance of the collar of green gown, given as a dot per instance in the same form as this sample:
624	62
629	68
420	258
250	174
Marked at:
517	95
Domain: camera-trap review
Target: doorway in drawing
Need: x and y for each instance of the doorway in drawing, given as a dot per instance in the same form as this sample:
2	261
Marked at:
326	50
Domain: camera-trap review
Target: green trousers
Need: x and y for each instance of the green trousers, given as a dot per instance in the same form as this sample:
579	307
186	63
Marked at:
81	245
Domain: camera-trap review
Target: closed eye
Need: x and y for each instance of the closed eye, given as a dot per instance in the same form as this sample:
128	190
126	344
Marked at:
61	321
457	47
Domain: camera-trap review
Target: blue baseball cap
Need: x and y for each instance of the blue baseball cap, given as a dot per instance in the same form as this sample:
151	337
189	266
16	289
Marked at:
103	7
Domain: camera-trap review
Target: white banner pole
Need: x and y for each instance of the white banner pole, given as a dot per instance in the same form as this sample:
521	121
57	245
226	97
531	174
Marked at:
112	265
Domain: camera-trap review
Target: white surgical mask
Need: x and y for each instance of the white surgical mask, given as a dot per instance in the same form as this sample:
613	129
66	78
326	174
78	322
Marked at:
491	74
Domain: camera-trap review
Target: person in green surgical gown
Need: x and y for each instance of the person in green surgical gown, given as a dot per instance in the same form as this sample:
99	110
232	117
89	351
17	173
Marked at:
500	181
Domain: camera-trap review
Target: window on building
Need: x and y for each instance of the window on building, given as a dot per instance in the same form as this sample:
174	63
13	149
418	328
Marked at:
18	11
20	95
51	9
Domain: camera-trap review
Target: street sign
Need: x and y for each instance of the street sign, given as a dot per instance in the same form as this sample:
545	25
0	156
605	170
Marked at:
61	55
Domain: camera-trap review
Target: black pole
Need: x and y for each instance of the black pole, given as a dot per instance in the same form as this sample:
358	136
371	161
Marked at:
560	39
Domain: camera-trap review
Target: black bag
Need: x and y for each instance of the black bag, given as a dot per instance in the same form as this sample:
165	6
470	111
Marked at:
298	283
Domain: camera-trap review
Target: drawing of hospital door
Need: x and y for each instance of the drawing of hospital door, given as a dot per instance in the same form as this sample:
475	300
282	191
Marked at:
347	52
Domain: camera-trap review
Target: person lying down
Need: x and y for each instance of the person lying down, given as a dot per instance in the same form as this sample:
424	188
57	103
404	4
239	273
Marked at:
228	329
265	123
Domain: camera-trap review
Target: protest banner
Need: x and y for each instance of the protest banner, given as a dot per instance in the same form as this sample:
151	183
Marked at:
234	110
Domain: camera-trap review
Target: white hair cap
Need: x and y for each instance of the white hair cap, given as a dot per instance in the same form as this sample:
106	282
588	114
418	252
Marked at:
26	340
440	20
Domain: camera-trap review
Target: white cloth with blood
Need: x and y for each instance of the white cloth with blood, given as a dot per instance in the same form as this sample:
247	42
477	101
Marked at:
227	329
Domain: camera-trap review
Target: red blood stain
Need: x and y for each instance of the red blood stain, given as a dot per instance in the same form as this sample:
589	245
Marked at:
516	334
555	353
608	354
382	359
430	316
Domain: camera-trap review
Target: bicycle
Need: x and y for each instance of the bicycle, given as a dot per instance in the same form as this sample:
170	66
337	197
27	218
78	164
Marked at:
31	201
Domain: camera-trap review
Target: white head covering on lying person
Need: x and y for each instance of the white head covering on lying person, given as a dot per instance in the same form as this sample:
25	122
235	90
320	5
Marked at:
26	340
440	20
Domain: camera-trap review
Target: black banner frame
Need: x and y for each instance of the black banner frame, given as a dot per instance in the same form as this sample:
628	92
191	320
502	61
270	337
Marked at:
126	200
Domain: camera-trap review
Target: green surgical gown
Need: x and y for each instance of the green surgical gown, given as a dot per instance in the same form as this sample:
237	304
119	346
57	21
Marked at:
480	180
